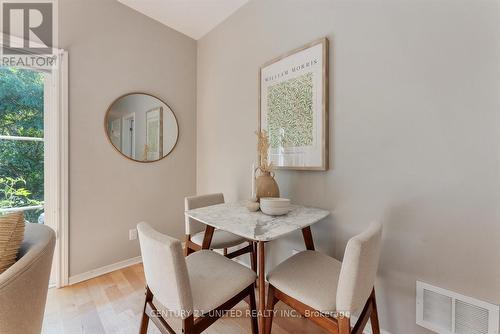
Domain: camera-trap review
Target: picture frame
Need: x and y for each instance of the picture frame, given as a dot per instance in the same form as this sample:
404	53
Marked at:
154	134
115	132
297	80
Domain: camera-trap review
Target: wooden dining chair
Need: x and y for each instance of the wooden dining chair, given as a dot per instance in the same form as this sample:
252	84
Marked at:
195	231
199	288
327	291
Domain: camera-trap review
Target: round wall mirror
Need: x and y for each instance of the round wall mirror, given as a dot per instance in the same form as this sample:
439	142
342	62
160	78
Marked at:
141	127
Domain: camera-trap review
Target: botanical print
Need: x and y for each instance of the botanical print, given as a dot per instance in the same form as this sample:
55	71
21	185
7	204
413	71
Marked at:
290	112
154	134
294	107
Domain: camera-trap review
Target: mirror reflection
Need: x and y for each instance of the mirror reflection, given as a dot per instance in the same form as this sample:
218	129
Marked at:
141	127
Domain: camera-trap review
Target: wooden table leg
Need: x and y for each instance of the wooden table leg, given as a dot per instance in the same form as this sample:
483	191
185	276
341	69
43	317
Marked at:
261	286
207	238
308	238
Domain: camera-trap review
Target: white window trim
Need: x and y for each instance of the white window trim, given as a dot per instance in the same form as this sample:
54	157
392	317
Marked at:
21	138
58	191
57	169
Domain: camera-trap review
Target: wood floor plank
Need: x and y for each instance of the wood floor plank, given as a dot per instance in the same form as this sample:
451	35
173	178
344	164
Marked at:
112	304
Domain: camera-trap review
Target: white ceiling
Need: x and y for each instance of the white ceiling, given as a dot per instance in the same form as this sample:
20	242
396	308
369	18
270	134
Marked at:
194	18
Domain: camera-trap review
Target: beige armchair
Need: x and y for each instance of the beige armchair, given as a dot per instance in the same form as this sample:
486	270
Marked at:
328	291
23	287
198	288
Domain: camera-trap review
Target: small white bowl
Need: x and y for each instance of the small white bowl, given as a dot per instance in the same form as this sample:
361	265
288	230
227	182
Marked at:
275	200
275	206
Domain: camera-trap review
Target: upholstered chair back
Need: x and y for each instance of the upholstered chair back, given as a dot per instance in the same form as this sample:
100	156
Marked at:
23	287
194	202
165	270
359	269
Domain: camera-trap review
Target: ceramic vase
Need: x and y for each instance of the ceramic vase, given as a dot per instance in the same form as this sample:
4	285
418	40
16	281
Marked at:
266	185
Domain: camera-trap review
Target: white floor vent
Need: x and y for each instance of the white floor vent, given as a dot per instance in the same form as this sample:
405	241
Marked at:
447	312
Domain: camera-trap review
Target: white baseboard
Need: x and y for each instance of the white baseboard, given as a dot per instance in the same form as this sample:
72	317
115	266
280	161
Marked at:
104	270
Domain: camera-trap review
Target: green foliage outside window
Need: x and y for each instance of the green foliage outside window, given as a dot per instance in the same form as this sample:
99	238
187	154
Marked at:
21	162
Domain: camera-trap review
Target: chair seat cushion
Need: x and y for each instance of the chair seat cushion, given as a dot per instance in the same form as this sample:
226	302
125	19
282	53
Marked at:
220	239
215	279
310	277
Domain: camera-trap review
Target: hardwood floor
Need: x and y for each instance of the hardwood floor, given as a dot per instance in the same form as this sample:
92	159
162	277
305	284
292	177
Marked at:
112	303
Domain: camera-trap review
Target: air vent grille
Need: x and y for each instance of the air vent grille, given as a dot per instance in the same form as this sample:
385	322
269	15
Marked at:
470	319
437	309
447	312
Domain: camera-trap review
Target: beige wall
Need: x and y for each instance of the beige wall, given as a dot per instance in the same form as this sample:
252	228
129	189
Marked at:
114	50
415	127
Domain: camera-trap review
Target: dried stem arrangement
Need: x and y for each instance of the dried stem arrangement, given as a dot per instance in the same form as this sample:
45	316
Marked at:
262	148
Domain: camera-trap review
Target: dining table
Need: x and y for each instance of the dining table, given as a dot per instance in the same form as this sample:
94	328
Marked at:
260	229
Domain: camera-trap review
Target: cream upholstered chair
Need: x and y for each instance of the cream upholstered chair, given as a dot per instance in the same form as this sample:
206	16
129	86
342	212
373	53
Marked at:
195	231
204	284
23	287
328	291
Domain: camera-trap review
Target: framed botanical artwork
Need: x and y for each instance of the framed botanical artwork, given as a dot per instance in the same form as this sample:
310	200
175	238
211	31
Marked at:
154	134
115	132
293	107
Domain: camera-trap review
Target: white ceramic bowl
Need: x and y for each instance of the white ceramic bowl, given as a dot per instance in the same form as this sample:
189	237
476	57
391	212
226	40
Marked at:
275	206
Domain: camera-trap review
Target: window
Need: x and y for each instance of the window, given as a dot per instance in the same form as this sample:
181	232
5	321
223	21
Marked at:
22	142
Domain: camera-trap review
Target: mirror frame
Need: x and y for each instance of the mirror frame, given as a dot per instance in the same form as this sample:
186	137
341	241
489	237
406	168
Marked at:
121	153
